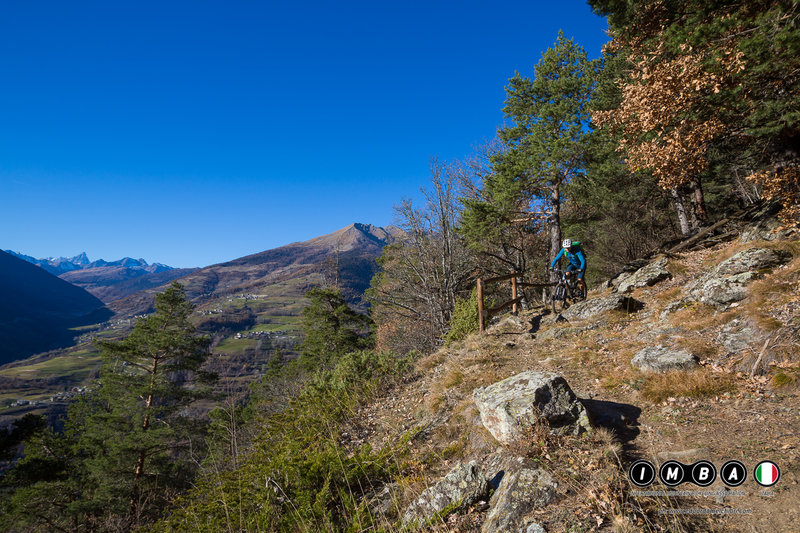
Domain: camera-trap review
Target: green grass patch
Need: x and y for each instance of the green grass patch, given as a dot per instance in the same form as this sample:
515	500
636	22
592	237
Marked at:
73	367
233	346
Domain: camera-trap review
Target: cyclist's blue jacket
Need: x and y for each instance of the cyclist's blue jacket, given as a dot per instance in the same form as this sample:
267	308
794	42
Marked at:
576	258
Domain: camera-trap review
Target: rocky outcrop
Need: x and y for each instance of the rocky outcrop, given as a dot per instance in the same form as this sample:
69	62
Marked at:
511	406
662	359
594	306
753	259
727	283
519	493
461	487
565	332
627	271
766	226
738	336
645	276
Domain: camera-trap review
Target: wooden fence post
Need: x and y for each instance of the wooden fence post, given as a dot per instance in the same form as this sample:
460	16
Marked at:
480	305
514	308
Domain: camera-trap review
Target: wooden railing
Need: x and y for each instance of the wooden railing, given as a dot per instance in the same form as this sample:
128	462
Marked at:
484	313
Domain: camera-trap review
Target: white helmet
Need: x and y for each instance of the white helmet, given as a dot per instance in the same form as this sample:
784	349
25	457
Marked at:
567	243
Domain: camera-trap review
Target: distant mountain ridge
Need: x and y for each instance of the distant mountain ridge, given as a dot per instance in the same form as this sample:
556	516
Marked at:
60	265
107	280
352	251
38	309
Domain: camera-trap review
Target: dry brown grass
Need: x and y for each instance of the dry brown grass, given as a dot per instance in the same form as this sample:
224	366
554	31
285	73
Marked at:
699	345
775	300
593	484
699	383
699	316
676	268
669	295
429	362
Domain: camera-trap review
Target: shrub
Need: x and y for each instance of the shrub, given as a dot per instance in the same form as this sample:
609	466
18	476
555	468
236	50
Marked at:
464	319
300	475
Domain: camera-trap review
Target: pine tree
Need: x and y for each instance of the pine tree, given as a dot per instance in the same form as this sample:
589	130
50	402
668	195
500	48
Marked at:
128	445
137	436
331	329
545	143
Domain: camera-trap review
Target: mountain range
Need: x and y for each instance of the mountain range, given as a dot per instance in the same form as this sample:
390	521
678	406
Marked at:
107	280
346	256
38	311
250	306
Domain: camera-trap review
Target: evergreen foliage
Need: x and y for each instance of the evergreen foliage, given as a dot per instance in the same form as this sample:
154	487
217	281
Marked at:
299	476
545	144
331	329
129	446
712	91
619	214
465	318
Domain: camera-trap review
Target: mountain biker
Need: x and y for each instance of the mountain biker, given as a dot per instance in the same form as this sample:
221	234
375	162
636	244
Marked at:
577	261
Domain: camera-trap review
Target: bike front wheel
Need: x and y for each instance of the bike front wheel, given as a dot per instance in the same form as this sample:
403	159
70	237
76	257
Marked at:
559	300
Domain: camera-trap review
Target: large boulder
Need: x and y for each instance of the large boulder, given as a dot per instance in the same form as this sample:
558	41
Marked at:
646	276
595	306
727	283
753	259
662	359
511	406
461	487
519	493
627	271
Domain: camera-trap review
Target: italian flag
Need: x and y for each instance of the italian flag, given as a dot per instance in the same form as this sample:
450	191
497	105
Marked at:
767	473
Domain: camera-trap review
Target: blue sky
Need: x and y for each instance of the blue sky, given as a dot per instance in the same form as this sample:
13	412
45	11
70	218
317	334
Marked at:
191	133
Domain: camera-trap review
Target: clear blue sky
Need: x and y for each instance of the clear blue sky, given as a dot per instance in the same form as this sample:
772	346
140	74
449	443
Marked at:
191	133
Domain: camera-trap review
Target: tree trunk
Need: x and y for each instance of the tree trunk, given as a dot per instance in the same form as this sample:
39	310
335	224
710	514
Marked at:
139	470
699	200
682	218
555	225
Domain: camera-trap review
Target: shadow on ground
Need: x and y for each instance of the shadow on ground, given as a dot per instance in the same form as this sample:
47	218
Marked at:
621	418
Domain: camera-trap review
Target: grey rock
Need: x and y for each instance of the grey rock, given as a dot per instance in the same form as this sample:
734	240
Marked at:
646	276
519	493
675	306
384	501
511	322
511	406
626	272
534	527
661	359
594	306
737	336
753	259
727	283
615	282
725	290
461	487
765	226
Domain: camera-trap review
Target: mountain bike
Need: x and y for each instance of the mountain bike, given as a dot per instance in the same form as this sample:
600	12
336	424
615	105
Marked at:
564	293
